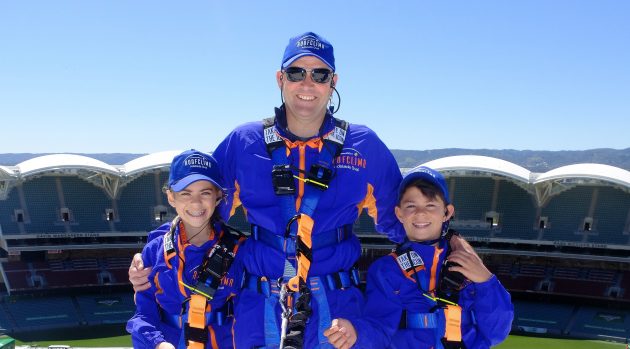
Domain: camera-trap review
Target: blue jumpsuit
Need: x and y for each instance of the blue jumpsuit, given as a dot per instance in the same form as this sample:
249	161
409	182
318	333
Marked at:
487	311
365	175
157	308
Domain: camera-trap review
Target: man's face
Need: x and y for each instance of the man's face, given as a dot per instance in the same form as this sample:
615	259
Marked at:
305	100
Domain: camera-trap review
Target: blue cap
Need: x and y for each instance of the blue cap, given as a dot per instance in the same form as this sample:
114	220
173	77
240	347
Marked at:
308	44
429	175
192	166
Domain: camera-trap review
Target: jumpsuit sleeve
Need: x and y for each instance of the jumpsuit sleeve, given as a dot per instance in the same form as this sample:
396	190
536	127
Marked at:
143	326
385	177
226	155
382	311
492	308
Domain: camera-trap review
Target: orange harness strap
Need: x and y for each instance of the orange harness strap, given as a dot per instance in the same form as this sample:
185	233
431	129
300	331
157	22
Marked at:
453	326
196	333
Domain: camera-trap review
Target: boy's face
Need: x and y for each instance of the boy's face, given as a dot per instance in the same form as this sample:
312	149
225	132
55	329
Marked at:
421	216
195	204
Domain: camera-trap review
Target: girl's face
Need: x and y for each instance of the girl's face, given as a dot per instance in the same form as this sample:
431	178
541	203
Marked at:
195	204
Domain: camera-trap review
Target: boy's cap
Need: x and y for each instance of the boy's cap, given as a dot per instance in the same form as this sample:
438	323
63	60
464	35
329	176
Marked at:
428	174
308	44
192	166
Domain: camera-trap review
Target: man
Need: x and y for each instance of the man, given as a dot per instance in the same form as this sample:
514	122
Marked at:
303	177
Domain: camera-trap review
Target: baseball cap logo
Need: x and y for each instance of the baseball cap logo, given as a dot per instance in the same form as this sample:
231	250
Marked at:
197	161
311	42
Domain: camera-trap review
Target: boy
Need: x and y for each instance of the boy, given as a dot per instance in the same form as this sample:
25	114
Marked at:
190	258
417	296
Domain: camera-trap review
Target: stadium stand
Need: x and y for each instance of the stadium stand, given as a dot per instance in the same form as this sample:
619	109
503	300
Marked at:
137	202
610	216
566	213
597	270
110	309
601	322
544	318
87	204
43	313
42	202
8	219
517	211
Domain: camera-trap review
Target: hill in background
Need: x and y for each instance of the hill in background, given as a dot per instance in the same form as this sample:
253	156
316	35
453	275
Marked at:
533	160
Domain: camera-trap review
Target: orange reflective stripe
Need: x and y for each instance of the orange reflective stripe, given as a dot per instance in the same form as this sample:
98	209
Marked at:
213	338
182	262
196	317
298	201
369	202
453	330
236	199
304	231
436	261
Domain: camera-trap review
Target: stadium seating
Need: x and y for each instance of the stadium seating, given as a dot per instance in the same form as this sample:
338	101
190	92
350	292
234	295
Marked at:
542	318
110	309
566	212
472	197
87	204
600	322
5	321
136	203
364	225
517	212
7	218
43	313
42	201
610	216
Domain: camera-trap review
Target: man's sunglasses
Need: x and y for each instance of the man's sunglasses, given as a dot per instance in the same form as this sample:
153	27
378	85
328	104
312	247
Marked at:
319	75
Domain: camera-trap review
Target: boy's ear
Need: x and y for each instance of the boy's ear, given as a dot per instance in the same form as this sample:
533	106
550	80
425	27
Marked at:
397	212
450	211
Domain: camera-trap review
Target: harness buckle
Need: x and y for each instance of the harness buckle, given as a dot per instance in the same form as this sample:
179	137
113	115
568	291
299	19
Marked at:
319	176
282	179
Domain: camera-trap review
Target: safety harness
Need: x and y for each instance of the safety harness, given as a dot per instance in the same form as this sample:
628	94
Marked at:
197	315
446	316
295	288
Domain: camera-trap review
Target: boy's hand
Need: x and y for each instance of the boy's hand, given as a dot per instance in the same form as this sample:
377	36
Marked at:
341	334
165	345
471	266
138	274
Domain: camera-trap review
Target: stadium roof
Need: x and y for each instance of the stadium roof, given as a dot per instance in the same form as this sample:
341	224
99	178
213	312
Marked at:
63	161
481	163
149	162
587	171
5	172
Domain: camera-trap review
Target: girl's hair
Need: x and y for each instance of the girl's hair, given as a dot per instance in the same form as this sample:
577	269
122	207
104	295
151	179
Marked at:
429	189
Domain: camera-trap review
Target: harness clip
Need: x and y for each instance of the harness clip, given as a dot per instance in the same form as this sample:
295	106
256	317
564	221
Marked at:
282	179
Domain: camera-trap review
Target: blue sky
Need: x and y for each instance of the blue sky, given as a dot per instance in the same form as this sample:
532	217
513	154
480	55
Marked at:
145	76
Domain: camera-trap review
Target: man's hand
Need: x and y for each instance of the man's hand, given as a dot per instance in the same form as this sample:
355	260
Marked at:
138	274
471	266
341	334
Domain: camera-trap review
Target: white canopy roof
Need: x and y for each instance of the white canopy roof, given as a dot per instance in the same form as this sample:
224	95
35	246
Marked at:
63	161
149	162
589	171
480	163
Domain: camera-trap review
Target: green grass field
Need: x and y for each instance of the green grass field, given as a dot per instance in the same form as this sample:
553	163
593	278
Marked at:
513	342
